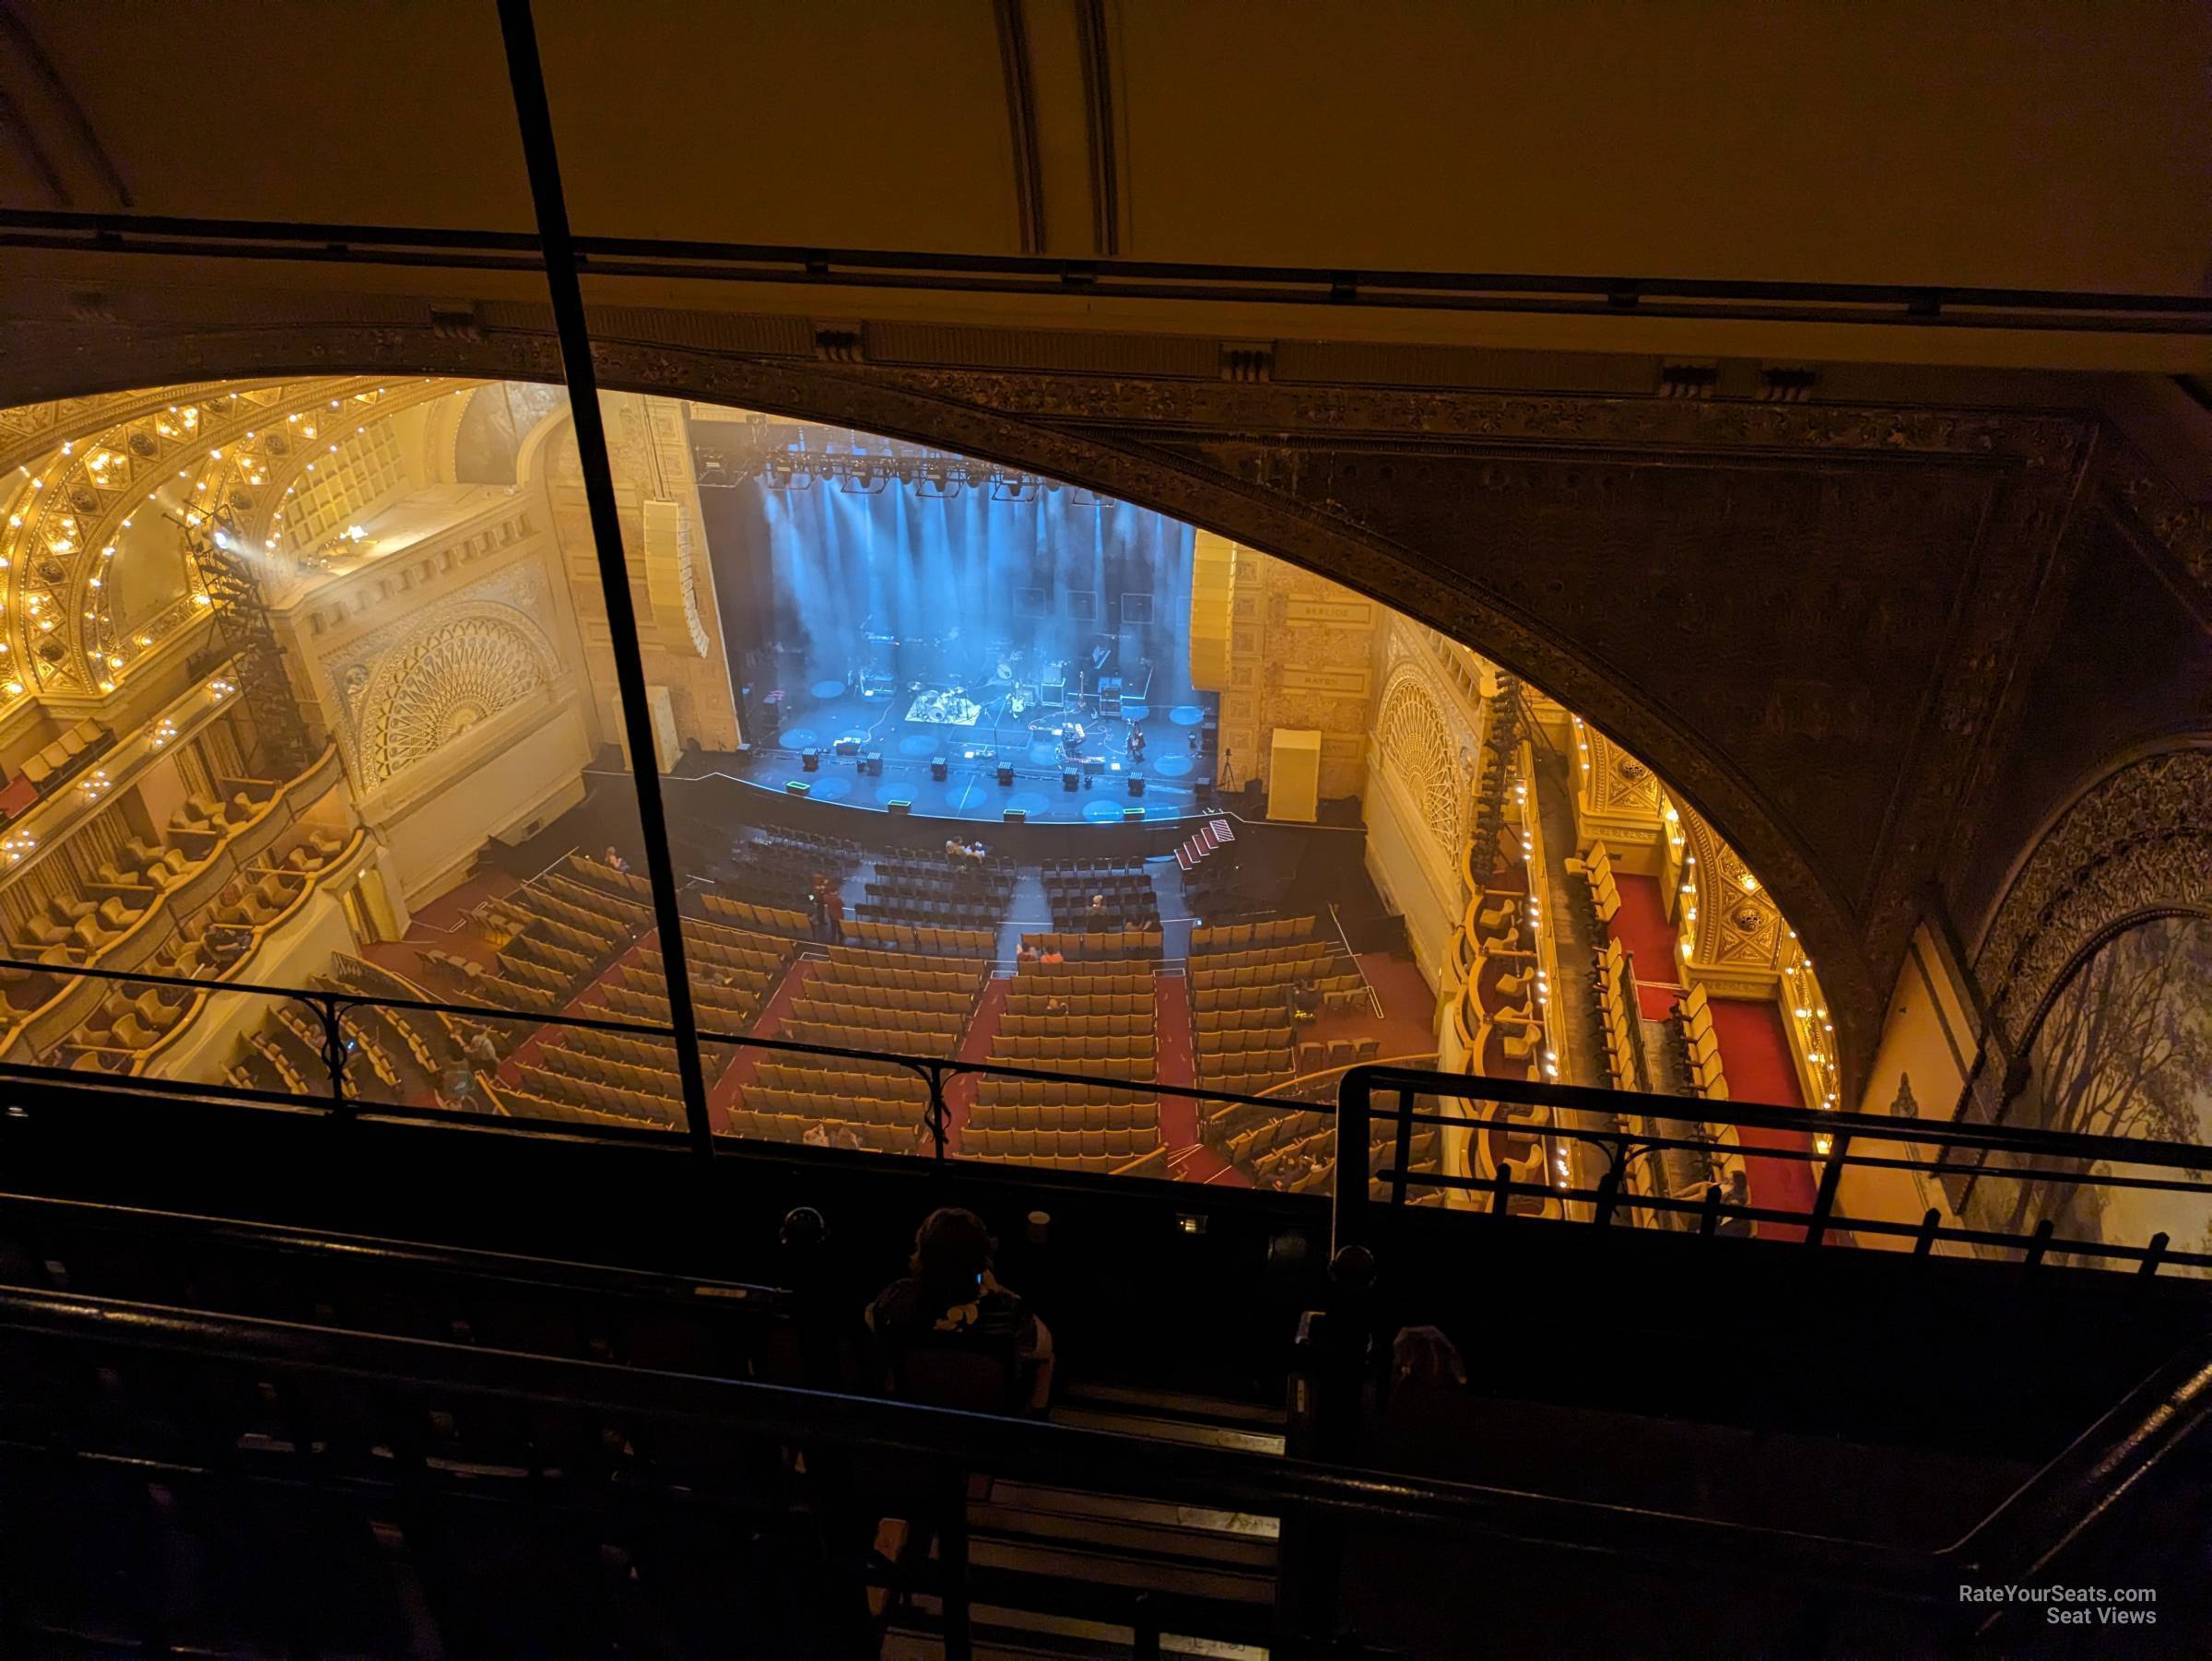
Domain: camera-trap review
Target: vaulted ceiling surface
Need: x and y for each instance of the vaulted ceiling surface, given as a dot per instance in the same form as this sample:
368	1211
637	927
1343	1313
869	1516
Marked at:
2042	145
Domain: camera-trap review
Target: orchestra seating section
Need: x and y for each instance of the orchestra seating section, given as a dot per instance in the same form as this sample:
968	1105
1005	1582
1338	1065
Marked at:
1070	886
1242	1001
1095	1018
911	886
777	867
863	998
1104	945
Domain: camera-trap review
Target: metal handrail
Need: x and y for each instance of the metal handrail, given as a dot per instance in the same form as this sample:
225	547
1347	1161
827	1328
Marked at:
1356	1111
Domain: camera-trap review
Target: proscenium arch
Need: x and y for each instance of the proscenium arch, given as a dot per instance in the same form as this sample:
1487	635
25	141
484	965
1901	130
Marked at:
1424	587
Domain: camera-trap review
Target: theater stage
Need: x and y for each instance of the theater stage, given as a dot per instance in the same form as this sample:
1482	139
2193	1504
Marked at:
820	715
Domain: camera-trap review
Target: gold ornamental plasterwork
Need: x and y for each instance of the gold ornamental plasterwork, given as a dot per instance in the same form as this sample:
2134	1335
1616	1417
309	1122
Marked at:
453	675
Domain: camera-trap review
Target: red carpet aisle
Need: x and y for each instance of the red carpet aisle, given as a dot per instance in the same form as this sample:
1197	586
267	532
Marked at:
1755	1055
1640	926
1189	1160
983	1032
723	1095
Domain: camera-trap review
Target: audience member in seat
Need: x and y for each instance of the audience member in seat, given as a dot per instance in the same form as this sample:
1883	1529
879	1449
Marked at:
1051	954
1094	919
1026	956
948	1293
1736	1195
1424	1358
615	861
817	906
833	915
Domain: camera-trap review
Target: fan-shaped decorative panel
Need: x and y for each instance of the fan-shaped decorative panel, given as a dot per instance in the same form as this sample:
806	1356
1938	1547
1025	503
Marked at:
1417	744
448	677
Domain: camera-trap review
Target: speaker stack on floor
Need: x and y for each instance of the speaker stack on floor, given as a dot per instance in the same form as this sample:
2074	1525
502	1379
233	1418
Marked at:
810	761
1136	783
1005	772
872	764
1069	778
940	768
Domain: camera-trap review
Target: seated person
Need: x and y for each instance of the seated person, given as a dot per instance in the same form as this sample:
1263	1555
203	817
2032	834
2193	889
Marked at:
948	1294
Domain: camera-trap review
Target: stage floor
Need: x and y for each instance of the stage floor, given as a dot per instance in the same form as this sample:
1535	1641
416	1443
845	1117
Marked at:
1175	758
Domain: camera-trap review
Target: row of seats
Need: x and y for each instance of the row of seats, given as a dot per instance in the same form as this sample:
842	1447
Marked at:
1071	1025
1597	868
1244	936
939	941
1116	1112
1124	1055
881	1026
844	971
1106	944
986	1143
881	1080
765	919
1701	1046
625	1110
1047	1093
1083	980
836	1132
1270	966
824	1105
1617	1017
973	967
1027	1005
824	986
894	912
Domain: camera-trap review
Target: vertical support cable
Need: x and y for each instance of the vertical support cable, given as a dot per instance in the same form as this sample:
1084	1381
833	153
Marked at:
535	115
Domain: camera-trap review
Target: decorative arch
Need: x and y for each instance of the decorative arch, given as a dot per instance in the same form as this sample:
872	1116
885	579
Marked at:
1417	743
1242	460
451	674
2134	846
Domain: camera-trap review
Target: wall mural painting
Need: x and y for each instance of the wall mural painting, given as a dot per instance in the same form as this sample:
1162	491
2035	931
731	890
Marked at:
2125	1050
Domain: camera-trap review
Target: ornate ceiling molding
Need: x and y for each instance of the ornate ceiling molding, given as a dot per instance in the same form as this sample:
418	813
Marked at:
2137	844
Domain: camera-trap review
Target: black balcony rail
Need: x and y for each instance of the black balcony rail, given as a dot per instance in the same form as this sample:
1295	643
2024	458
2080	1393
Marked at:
1603	1122
329	1007
162	1347
1619	1129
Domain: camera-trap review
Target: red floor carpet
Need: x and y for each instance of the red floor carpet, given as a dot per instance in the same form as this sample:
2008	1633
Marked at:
975	1045
1755	1056
1641	926
1191	1160
722	1094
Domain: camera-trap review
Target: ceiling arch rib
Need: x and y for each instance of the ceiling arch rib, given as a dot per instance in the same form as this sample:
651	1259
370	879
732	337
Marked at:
65	527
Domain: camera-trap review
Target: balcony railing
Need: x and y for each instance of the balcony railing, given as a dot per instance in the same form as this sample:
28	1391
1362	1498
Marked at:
1380	1111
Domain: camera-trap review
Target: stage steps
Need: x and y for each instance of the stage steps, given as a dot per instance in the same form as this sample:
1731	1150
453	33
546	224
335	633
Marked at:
1218	833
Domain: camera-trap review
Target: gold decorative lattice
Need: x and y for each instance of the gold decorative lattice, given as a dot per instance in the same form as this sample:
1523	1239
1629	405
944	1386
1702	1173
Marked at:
442	681
1417	744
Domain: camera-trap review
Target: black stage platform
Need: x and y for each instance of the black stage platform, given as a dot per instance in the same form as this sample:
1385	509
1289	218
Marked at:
1176	757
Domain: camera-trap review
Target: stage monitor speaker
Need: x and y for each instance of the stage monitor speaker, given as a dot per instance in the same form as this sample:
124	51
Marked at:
1136	783
1094	764
1005	772
1015	816
1069	778
848	746
1130	816
810	761
900	807
872	763
939	767
797	788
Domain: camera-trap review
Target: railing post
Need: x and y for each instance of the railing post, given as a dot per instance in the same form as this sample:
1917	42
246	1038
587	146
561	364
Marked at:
1608	1186
541	159
936	1107
1402	1153
1354	1115
1824	1202
334	1046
